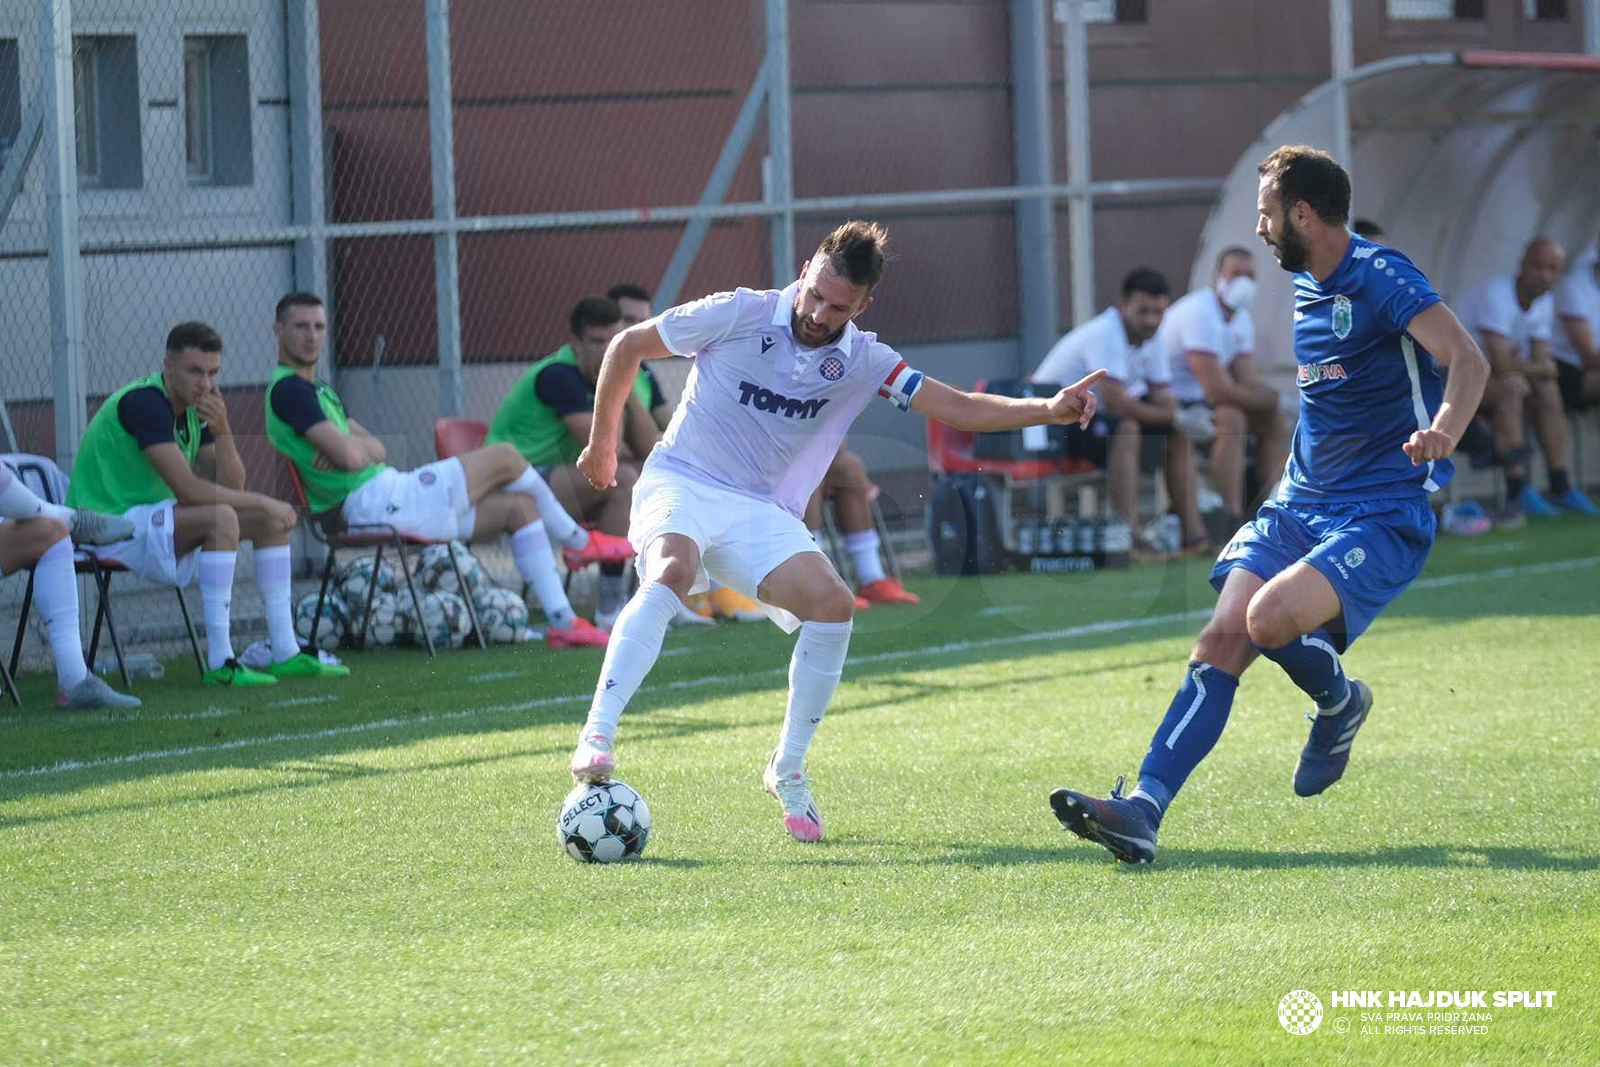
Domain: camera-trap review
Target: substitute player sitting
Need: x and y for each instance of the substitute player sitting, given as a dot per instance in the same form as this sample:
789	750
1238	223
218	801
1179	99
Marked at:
1349	528
473	497
545	416
778	378
846	483
160	452
37	533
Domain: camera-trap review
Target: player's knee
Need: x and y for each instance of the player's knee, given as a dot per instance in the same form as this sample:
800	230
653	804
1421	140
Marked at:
507	458
1228	419
223	522
1509	387
1223	646
51	531
1268	621
674	573
835	604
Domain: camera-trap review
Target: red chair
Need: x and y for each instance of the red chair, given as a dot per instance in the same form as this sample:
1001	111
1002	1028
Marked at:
85	562
454	437
950	451
329	528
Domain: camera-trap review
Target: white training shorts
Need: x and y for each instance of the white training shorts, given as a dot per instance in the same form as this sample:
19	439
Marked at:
741	539
430	502
150	552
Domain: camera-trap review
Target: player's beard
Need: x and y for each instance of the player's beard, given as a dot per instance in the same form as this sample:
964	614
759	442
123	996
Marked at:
805	338
1293	252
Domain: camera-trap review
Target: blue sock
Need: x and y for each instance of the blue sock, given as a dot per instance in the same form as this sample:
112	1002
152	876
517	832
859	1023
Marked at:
1313	665
1194	722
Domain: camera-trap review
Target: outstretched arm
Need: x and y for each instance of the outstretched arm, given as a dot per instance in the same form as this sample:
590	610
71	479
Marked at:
985	412
1442	334
627	350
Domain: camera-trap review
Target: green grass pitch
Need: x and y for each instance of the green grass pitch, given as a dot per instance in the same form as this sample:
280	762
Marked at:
367	871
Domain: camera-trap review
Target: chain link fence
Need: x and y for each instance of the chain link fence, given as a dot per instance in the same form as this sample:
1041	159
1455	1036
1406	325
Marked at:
454	177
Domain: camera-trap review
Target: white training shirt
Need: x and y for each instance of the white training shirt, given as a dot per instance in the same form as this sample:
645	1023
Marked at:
1493	306
1103	342
1578	297
1195	323
761	414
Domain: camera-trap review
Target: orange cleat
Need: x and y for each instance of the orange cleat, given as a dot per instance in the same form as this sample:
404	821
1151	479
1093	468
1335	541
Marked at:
887	591
862	603
581	634
602	548
731	604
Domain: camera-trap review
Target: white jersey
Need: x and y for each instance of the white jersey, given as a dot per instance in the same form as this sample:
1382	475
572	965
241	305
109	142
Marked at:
1493	306
1577	297
761	414
1195	323
1103	342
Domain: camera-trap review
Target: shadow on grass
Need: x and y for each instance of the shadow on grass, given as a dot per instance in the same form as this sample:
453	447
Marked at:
1462	857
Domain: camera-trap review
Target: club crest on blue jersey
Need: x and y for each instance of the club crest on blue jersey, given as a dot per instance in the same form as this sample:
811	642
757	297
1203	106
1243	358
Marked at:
1343	319
832	368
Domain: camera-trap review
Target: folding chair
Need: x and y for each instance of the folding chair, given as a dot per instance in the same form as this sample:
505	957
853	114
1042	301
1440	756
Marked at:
453	437
329	528
835	542
47	480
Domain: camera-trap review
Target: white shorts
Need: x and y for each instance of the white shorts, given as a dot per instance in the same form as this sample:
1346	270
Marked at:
429	502
151	553
741	539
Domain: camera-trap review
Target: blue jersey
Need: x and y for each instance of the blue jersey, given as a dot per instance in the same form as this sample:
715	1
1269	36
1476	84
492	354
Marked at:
1365	385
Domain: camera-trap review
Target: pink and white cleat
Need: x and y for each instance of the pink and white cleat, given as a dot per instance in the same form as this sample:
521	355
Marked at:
592	760
800	815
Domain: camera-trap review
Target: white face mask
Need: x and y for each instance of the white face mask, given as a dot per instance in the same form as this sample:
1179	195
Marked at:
1238	293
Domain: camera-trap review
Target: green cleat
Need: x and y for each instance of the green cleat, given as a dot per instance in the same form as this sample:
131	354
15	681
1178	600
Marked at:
233	673
307	666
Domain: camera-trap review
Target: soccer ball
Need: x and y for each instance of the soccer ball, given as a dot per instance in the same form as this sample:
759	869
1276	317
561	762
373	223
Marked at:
354	578
386	623
335	620
446	617
435	571
501	613
603	822
405	617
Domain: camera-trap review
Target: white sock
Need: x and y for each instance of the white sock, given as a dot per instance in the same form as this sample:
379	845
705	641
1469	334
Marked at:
216	604
272	580
635	644
551	513
56	590
530	547
862	547
814	673
17	501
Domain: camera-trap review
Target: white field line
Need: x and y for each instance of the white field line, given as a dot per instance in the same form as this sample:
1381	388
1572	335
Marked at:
492	676
295	701
1109	626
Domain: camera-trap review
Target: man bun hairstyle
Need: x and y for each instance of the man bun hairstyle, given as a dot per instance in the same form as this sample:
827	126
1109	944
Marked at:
594	311
193	335
297	299
1299	172
856	252
1145	280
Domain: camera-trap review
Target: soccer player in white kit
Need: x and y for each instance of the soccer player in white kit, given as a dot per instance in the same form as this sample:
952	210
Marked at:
778	378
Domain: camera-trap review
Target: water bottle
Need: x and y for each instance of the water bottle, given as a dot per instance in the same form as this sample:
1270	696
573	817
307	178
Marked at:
1118	544
1047	540
1025	539
139	664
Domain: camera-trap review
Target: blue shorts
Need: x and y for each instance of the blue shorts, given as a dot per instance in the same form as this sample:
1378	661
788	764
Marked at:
1368	550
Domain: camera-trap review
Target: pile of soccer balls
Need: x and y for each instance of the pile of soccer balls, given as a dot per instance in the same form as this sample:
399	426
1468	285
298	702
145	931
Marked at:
501	612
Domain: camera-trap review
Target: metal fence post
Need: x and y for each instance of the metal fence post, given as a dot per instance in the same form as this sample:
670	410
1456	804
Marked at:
780	159
1342	47
1035	218
1080	207
67	320
307	170
446	261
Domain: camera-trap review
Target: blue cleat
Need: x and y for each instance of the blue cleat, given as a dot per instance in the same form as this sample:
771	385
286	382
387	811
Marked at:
1575	502
1535	506
1123	826
1327	750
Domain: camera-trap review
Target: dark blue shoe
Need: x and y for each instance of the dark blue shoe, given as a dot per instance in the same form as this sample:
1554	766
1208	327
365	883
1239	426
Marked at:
1124	826
1535	506
1575	502
1327	750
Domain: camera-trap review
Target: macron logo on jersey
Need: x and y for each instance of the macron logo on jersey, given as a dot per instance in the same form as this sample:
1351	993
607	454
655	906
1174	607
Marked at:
751	395
1312	373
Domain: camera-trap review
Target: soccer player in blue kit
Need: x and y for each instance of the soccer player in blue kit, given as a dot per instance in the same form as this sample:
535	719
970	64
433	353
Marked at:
1349	526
